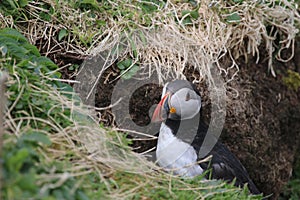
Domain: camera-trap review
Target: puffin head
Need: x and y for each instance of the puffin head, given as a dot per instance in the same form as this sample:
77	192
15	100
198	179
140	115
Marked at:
179	101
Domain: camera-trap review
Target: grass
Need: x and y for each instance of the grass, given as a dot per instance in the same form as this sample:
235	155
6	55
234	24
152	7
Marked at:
169	28
55	144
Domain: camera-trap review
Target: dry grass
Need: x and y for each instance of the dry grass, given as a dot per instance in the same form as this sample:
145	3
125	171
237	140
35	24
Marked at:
168	44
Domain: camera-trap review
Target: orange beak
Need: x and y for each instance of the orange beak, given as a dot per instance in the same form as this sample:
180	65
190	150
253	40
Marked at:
161	110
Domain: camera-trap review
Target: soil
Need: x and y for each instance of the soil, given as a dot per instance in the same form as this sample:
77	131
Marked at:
262	124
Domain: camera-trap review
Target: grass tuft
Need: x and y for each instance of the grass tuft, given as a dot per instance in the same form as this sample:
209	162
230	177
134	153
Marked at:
183	33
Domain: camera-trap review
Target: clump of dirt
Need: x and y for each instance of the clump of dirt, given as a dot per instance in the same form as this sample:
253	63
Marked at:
103	95
141	102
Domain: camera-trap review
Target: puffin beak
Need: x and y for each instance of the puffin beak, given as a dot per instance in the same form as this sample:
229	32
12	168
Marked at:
162	109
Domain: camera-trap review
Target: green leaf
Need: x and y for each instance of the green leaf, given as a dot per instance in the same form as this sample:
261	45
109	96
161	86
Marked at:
23	3
134	50
81	196
185	12
3	50
46	62
124	64
12	4
37	101
62	33
19	106
13	48
238	1
187	21
187	17
92	3
142	37
148	8
194	14
32	49
73	67
27	181
101	22
37	137
193	2
16	161
17	45
120	66
58	194
233	18
12	33
45	16
66	192
131	72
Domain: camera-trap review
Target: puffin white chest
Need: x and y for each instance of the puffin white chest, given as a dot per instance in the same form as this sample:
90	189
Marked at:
175	155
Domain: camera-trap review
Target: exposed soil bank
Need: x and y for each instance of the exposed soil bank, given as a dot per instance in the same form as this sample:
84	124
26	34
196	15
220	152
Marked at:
262	124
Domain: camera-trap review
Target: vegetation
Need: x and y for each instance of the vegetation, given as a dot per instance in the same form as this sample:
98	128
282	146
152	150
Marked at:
292	80
153	29
53	148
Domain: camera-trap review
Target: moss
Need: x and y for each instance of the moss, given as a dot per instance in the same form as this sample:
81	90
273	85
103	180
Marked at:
292	80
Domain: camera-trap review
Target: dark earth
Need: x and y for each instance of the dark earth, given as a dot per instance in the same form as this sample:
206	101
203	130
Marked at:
262	125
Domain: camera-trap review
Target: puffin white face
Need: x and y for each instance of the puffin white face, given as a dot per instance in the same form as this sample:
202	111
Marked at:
186	104
179	101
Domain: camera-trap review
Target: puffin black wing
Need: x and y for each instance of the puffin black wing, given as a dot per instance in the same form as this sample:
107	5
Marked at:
224	165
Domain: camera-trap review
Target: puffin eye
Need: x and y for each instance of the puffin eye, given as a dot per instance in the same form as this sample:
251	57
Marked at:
187	97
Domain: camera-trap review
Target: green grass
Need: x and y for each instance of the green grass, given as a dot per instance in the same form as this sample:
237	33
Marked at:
32	116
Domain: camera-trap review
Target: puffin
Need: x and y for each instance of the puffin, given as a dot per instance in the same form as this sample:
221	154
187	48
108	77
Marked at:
182	136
